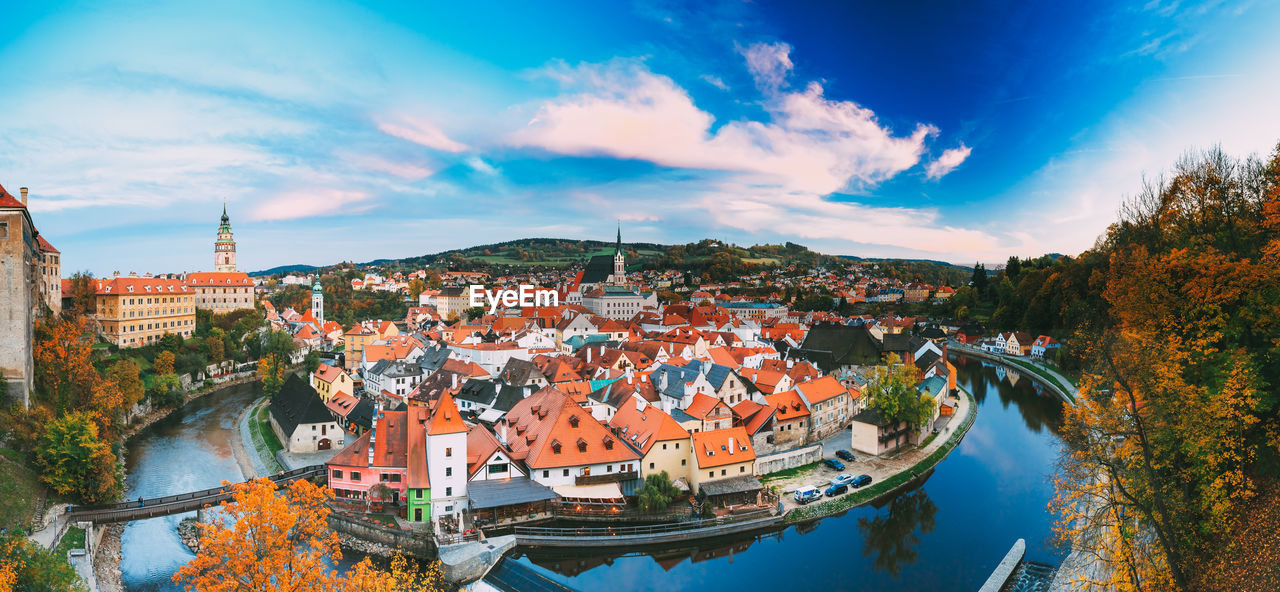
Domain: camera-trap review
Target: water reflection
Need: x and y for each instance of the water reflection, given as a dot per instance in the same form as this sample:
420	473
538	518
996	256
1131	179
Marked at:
946	533
892	539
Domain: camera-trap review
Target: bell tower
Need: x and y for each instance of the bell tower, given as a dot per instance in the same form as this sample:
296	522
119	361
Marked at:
224	249
317	302
619	261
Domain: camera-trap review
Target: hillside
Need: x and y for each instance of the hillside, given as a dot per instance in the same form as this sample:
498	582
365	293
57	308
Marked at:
715	259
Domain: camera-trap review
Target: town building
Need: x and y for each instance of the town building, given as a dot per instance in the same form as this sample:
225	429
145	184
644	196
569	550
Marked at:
136	311
222	291
50	275
331	381
301	420
224	248
19	293
726	465
662	442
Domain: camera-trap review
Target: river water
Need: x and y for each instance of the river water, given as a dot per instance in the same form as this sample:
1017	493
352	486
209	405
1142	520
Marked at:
946	533
186	451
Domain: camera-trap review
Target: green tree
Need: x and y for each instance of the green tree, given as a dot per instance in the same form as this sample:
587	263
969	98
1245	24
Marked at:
474	312
893	393
311	362
26	567
74	461
271	371
278	343
657	492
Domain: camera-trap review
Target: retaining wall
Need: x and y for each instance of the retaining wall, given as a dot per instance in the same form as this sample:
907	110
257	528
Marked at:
417	545
788	459
1005	569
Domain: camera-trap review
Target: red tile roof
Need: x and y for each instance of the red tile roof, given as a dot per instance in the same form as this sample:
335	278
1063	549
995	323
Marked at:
218	278
643	428
722	447
548	429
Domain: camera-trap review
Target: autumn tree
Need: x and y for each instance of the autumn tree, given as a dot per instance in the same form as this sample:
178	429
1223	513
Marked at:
81	297
1176	418
75	461
217	350
416	288
272	541
26	567
163	363
115	393
63	353
271	370
265	542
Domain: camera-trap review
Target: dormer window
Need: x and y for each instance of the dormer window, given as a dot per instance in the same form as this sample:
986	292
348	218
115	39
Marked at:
555	447
582	445
573	420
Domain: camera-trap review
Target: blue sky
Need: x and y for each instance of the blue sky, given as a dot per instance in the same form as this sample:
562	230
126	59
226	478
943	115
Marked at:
335	131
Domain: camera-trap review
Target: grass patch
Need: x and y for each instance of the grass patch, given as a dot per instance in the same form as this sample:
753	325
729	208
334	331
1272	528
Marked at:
862	496
19	491
72	539
264	439
789	473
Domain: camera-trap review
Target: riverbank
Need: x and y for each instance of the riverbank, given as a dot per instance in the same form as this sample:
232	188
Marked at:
145	421
925	459
1059	384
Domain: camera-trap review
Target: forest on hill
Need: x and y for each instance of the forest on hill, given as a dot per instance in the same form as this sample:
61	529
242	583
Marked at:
1173	462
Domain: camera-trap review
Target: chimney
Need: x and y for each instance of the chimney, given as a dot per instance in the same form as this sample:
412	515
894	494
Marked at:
640	403
133	274
730	445
502	436
455	379
115	274
588	355
23	191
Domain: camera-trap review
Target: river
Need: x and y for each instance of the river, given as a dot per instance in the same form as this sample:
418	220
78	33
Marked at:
945	534
186	451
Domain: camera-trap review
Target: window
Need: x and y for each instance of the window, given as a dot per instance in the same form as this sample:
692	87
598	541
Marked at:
566	472
546	474
448	492
498	468
664	445
723	472
355	475
4	230
711	474
337	474
448	452
684	461
651	465
395	477
448	471
742	469
677	446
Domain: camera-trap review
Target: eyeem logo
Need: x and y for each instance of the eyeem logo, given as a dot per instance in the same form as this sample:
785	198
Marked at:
524	296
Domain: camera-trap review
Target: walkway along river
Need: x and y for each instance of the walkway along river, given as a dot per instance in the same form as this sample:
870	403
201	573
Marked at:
947	533
944	534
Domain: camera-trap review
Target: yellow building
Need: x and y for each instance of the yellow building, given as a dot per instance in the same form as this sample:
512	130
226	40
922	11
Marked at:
222	291
136	311
330	381
664	444
721	455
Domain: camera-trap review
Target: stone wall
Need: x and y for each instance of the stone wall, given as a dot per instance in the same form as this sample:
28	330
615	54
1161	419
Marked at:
788	459
417	545
1005	569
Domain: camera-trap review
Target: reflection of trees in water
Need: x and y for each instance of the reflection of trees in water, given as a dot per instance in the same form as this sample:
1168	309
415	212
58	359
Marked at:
1038	407
892	538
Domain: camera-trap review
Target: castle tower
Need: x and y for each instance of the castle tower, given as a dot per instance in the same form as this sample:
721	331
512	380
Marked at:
619	262
224	249
317	301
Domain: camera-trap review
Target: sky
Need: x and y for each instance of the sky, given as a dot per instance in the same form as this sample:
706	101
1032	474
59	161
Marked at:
350	132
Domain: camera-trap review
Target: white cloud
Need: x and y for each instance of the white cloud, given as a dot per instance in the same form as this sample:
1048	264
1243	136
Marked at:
420	131
715	81
769	64
305	203
950	159
811	144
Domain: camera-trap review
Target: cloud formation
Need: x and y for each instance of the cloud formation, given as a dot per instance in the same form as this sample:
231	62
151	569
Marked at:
950	159
811	144
421	131
769	64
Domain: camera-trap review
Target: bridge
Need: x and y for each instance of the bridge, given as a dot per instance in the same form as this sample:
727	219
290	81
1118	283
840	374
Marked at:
175	504
625	536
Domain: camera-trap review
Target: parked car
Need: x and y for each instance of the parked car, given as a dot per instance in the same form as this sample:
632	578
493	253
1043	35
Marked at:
835	490
861	481
845	454
833	463
842	479
805	495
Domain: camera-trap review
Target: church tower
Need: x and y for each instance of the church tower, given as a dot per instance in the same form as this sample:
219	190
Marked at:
224	249
619	262
317	302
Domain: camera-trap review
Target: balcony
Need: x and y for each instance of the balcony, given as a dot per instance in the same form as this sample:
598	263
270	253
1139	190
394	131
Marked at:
606	478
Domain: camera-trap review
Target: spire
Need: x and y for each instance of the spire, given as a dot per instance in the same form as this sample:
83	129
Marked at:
618	249
225	219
